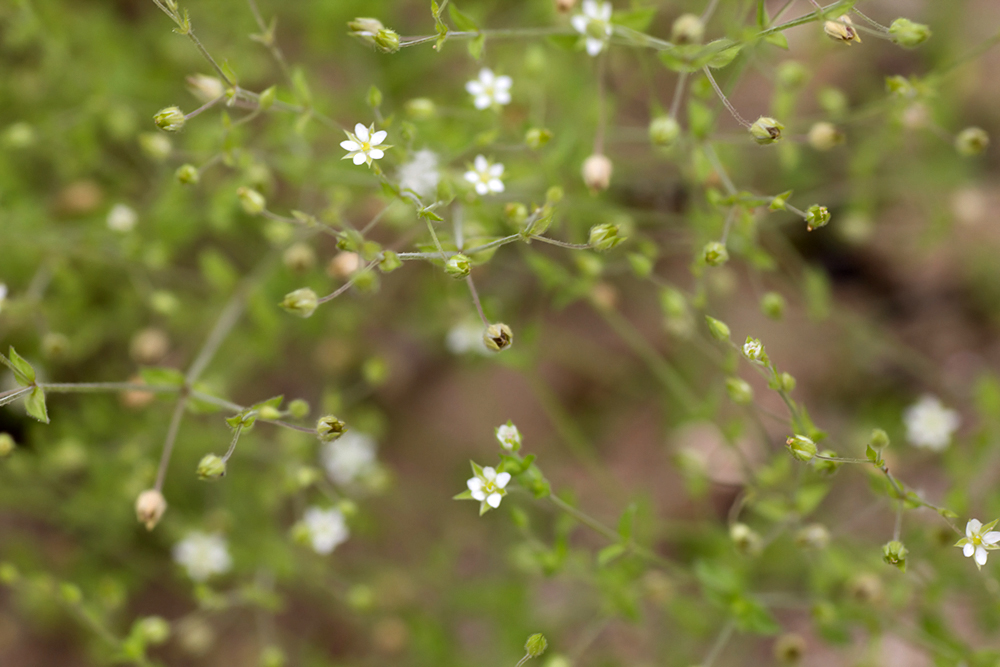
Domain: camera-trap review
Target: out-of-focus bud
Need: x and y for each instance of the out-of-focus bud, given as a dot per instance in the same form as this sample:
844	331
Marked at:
301	302
390	262
766	130
343	265
894	553
678	319
153	629
537	137
792	74
517	213
842	30
149	508
458	266
536	645
54	345
156	146
813	536
206	88
365	29
498	337
715	254
773	304
19	135
718	328
211	467
739	390
299	257
687	29
908	34
187	174
329	428
972	141
273	656
801	447
605	236
786	383
789	648
915	116
7	445
170	119
879	439
597	172
664	130
149	346
299	408
387	41
420	108
817	216
745	539
866	588
565	5
900	86
823	136
252	201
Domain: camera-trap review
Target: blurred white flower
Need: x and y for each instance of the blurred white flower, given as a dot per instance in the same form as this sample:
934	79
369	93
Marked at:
488	487
485	176
122	218
3	295
202	555
466	337
362	145
326	529
349	456
489	89
595	24
979	540
929	424
420	174
753	350
509	437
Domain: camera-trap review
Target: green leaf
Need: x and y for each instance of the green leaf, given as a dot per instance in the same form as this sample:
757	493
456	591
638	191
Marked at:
476	46
609	553
808	498
723	58
301	88
762	18
627	522
637	19
751	616
872	455
700	119
461	20
35	405
162	377
23	372
777	39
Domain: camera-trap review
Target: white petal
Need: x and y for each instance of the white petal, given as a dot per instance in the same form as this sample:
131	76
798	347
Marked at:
503	83
350	146
973	527
378	137
486	76
594	46
501	97
474	484
472	177
479	495
483	101
495	185
579	23
360	158
475	88
481	163
482	189
606	10
992	537
503	479
489	473
494	502
376	154
496	170
361	132
981	553
590	8
968	549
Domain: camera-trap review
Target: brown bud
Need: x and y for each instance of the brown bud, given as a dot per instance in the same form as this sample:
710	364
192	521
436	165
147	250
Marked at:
149	508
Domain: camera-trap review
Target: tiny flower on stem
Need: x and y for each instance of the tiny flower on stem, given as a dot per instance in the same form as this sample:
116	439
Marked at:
595	24
929	424
509	437
485	176
365	144
489	89
753	350
324	530
979	540
203	555
487	486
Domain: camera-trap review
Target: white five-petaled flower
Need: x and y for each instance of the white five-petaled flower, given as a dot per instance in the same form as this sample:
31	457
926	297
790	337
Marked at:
929	424
420	174
979	540
349	456
326	529
365	144
595	24
509	437
489	89
485	176
122	218
488	487
202	555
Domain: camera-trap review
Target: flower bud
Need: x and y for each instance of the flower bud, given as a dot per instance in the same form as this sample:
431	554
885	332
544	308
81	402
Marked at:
792	74
753	350
390	262
687	29
565	5
149	508
739	390
205	88
387	41
299	257
156	146
458	266
153	629
597	172
908	34
664	130
766	130
746	541
678	318
718	328
879	439
420	108
813	536
7	445
605	236
772	304
536	645
211	467
801	447
786	383
894	553
866	588
301	302
972	141
187	174
252	201
299	408
8	574
537	137
715	254
789	648
823	136
365	29
842	30
817	216
170	119
498	337
329	428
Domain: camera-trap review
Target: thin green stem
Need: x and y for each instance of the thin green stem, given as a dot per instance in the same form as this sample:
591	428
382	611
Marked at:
719	644
475	300
168	444
725	100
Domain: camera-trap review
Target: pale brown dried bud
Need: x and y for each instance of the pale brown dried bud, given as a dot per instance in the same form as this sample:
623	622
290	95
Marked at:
149	508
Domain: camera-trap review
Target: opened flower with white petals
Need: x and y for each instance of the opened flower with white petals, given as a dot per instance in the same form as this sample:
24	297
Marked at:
595	24
489	89
485	176
487	486
365	144
979	540
326	529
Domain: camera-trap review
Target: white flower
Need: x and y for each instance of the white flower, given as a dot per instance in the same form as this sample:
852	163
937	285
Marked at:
489	89
509	437
753	350
3	295
466	337
349	456
929	424
485	176
203	555
326	529
595	24
420	174
488	487
121	218
361	145
979	540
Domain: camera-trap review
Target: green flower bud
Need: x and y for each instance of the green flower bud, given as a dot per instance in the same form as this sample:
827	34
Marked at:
252	201
772	304
70	593
554	194
789	648
170	119
269	413
211	467
153	629
390	262
329	428
361	597
801	447
299	408
187	174
537	137
824	136
894	553
420	108
7	445
664	130
301	302
879	439
458	266
817	216
739	390
19	135
536	645
766	130
687	29
746	541
605	237
972	141
387	41
715	254
498	337
365	29
908	34
718	328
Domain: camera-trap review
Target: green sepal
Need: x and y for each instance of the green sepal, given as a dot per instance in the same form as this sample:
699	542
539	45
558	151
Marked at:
35	405
23	372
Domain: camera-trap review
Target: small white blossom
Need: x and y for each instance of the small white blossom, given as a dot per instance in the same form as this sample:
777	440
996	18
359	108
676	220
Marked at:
362	145
488	487
122	218
753	350
979	540
509	437
466	337
326	529
485	176
202	555
349	456
420	174
3	295
595	24
489	89
929	424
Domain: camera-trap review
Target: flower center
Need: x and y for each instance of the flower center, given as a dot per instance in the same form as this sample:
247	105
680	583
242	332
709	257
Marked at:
489	487
365	146
977	540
